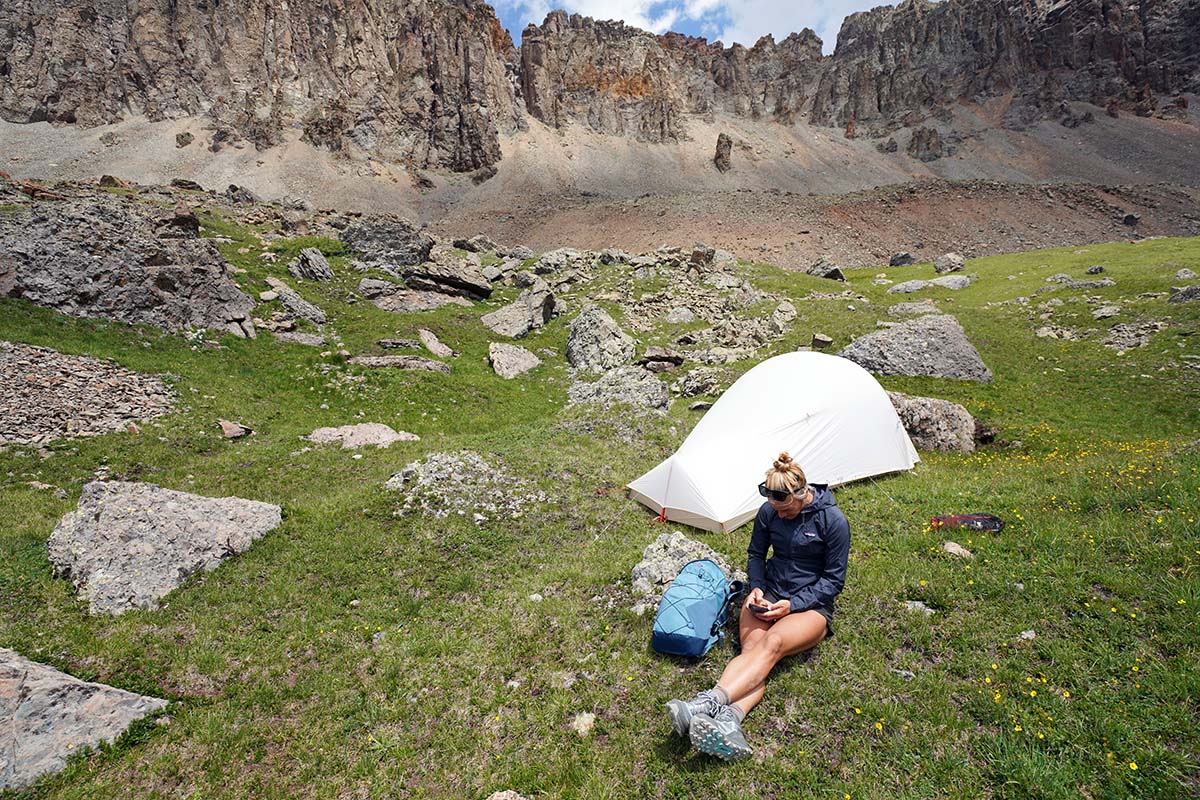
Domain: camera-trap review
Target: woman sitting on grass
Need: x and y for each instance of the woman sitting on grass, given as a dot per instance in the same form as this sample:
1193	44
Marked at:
789	608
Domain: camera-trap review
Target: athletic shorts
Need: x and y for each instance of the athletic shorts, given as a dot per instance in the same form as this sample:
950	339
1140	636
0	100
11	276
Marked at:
824	611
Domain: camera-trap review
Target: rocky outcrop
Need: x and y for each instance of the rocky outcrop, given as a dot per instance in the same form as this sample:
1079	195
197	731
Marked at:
596	342
510	360
428	82
103	258
128	545
935	424
47	716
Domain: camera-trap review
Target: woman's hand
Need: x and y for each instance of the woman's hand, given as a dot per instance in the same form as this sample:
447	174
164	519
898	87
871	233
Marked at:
779	610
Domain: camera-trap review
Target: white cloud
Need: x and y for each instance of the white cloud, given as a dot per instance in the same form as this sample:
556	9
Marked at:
750	19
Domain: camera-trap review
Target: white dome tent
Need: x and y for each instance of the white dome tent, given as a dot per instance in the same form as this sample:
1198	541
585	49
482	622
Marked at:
830	414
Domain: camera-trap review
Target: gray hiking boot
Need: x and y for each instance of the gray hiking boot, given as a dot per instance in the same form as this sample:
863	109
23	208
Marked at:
719	735
681	712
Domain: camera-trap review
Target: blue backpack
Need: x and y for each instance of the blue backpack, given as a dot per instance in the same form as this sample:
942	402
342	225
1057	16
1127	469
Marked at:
691	616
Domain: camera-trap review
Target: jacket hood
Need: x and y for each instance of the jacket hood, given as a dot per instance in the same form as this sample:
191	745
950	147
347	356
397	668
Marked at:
822	498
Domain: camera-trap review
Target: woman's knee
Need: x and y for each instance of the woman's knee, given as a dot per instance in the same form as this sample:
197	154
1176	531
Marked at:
753	639
772	644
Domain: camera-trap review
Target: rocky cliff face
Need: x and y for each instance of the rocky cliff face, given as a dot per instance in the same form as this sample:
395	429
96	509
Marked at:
429	82
433	82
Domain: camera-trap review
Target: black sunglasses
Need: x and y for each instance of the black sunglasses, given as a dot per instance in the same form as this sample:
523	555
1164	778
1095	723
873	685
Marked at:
776	494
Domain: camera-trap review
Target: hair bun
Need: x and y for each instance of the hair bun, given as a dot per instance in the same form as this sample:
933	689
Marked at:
783	461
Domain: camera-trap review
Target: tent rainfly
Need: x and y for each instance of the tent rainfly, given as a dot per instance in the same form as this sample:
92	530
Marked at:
829	413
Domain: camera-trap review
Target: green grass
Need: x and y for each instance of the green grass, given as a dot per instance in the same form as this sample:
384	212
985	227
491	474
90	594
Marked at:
279	689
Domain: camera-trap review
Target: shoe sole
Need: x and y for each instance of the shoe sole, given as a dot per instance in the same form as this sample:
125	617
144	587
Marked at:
681	718
708	738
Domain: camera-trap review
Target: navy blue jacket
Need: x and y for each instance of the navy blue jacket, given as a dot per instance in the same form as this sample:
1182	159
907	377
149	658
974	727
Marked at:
810	551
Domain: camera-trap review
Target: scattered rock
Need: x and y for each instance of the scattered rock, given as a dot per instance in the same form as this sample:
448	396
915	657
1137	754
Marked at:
532	309
702	255
1094	270
680	316
433	344
401	362
1185	274
596	342
296	337
352	437
630	385
783	315
722	159
1072	283
917	605
241	195
46	395
462	484
296	305
507	794
660	359
184	183
948	262
1184	294
127	545
509	360
934	345
1132	334
1131	220
820	342
184	139
890	146
1028	635
233	430
583	723
824	268
1058	332
956	549
902	259
48	716
914	309
399	344
311	265
907	675
700	405
1104	312
476	244
701	380
665	556
935	424
925	145
953	282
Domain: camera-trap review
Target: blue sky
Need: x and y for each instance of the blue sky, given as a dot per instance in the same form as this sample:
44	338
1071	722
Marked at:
730	21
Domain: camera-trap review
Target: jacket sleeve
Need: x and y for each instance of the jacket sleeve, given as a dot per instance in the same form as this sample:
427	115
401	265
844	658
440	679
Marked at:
833	576
756	553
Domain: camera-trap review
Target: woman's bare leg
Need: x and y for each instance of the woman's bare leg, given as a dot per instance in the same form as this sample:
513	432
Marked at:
763	645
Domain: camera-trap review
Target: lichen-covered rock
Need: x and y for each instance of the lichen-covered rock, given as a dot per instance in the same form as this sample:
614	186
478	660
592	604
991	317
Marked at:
933	345
948	262
596	342
128	545
722	159
629	385
665	556
47	716
101	258
935	424
296	305
352	437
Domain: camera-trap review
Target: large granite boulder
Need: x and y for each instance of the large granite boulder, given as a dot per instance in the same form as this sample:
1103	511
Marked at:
101	258
948	262
47	716
933	345
935	424
596	342
128	545
532	309
387	241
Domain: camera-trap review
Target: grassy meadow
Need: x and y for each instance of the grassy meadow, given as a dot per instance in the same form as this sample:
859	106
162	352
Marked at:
447	680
